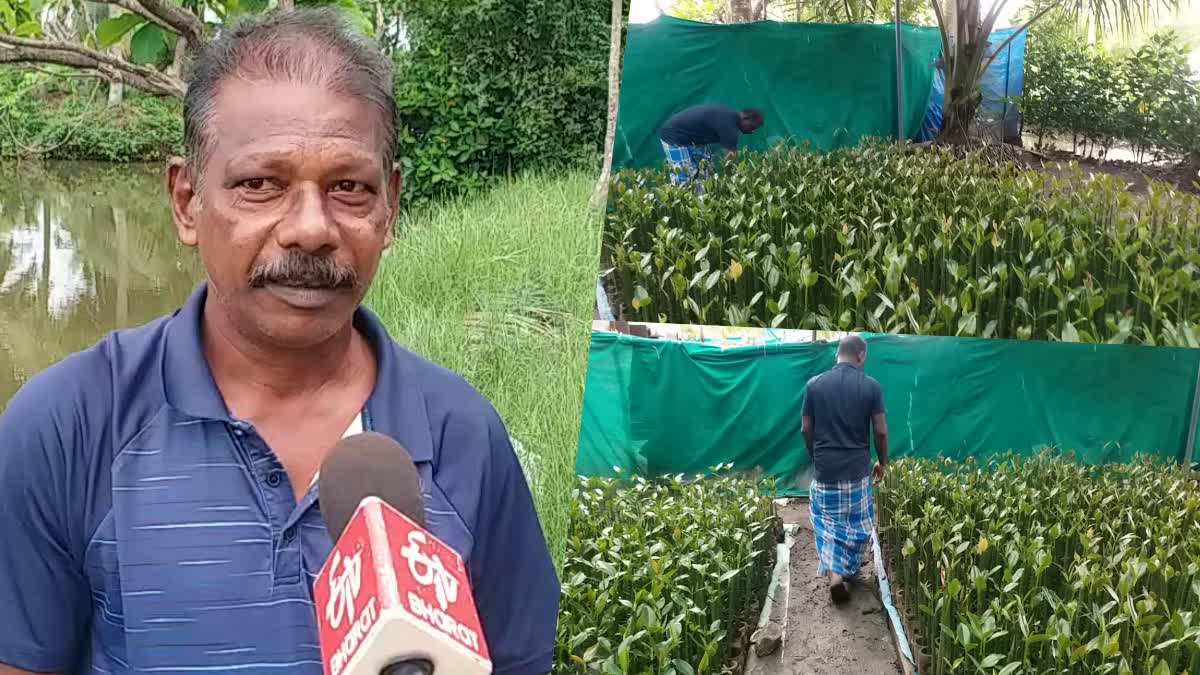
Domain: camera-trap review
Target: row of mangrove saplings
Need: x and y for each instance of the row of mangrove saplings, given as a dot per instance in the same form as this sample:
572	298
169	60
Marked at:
664	576
920	241
1044	565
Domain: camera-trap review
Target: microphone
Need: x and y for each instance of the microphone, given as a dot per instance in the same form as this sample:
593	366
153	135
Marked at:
392	599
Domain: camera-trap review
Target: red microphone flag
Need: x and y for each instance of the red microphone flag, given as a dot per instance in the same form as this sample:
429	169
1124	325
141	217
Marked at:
391	590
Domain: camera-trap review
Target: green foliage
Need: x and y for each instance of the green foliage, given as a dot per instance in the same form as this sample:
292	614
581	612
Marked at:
886	239
489	88
1044	565
823	11
19	17
486	89
1147	98
110	31
707	11
56	118
150	45
663	576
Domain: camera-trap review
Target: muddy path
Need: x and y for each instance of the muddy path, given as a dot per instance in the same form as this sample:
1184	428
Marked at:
821	638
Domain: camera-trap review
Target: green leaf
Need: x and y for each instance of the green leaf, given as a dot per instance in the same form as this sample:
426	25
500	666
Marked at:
683	667
351	10
640	298
28	29
148	45
991	660
1069	333
111	30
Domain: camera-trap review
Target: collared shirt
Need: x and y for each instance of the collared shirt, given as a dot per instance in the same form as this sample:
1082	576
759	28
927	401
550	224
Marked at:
841	403
145	530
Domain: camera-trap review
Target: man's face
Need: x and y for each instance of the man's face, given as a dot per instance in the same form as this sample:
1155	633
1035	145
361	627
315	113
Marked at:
292	210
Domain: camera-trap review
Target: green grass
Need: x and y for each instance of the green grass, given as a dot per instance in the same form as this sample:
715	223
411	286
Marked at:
500	288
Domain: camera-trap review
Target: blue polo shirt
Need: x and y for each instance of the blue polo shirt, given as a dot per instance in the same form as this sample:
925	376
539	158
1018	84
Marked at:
144	529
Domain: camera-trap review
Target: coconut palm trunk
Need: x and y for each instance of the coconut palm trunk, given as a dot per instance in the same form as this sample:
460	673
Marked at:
967	52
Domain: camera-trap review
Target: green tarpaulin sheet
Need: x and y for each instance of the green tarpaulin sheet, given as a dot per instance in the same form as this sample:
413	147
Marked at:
657	407
827	84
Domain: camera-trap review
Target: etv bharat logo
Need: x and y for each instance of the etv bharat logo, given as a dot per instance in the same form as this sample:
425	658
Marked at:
428	570
345	578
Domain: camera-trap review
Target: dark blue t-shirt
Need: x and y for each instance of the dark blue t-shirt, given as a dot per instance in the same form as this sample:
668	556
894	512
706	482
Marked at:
703	125
143	529
841	403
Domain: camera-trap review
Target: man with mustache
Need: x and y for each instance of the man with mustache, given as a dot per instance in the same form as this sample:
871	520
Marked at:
157	505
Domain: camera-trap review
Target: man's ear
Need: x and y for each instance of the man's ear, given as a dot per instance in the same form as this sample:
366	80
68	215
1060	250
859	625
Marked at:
395	183
181	190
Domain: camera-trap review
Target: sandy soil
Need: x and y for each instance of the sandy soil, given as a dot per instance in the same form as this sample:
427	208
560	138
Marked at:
825	639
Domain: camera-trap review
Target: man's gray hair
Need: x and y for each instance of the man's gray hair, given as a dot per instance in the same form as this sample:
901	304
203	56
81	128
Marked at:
853	346
314	46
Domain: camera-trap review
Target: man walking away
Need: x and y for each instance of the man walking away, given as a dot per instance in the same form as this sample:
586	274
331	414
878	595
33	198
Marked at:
840	407
688	133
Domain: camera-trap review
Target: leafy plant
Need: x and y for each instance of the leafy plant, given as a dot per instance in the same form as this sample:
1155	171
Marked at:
663	576
493	88
1147	98
52	118
1043	565
884	239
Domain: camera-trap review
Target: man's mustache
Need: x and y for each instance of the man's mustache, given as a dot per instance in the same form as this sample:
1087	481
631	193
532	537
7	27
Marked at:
304	270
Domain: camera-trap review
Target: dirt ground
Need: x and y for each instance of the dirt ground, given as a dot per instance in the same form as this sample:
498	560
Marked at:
823	639
1137	176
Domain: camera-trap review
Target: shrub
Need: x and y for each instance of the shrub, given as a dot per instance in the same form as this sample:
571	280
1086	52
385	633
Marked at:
61	119
493	88
1043	565
663	576
1147	98
883	239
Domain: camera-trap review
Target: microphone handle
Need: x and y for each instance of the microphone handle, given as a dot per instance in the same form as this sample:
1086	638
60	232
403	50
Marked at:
409	667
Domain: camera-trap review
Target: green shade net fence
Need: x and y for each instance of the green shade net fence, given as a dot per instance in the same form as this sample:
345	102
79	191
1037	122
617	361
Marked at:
826	84
657	407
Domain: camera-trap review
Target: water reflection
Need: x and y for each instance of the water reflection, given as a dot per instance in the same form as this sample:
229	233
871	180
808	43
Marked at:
84	249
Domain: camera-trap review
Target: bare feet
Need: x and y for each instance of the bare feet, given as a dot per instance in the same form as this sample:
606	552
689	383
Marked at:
838	591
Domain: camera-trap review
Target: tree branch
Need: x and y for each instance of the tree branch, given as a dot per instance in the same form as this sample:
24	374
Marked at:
135	7
166	14
27	50
614	97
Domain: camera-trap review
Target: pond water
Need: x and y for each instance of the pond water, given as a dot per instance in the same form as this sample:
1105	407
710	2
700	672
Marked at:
84	249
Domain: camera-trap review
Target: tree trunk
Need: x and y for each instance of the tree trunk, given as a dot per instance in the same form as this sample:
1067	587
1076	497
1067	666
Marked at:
176	67
116	85
614	96
957	114
287	5
743	11
116	93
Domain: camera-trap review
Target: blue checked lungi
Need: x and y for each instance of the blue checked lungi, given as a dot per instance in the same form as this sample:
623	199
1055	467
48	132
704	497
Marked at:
687	162
842	519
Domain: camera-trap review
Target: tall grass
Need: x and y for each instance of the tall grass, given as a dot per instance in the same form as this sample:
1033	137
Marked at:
500	288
